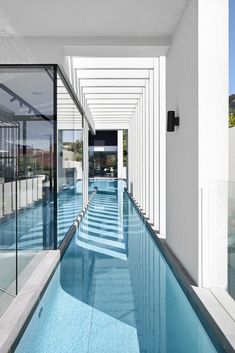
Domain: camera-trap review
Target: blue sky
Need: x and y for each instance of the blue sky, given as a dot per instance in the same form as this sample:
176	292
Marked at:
232	47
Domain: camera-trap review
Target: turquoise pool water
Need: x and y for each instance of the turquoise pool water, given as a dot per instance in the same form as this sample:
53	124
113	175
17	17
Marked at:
113	292
30	222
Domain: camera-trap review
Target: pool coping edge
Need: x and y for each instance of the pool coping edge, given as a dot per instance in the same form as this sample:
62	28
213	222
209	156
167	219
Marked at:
18	314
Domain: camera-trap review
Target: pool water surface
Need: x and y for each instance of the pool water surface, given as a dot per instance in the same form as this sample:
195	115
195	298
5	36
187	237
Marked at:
113	291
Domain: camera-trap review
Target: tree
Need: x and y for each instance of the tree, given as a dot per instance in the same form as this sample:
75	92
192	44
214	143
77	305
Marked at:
76	147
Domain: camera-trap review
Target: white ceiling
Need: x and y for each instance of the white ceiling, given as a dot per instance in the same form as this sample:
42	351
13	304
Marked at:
90	17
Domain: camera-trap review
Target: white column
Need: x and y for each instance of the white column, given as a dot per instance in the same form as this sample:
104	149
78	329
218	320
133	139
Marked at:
156	145
162	141
141	150
138	154
144	149
120	154
147	148
130	158
213	140
151	147
85	164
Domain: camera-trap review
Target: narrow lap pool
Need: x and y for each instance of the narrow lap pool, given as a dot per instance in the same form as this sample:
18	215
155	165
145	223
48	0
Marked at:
113	291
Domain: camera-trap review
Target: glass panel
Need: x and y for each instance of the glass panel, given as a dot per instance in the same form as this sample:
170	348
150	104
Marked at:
222	234
103	164
103	154
8	168
231	239
27	100
69	165
231	136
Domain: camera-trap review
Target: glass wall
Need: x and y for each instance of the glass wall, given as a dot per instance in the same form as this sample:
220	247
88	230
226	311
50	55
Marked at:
103	154
102	164
40	168
8	168
69	161
230	187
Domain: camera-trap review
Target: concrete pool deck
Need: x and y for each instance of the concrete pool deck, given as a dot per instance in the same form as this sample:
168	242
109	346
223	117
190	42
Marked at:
16	316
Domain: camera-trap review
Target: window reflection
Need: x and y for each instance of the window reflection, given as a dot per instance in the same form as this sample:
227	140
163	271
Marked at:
69	162
40	169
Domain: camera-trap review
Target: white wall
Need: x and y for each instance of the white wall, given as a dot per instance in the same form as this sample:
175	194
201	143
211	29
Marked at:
197	151
213	131
182	145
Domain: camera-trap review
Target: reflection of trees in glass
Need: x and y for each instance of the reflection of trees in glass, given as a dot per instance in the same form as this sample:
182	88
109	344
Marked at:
231	119
110	161
37	162
76	148
232	110
124	148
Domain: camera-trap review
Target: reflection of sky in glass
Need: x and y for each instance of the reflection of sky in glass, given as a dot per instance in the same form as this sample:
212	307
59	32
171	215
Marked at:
39	134
232	47
72	135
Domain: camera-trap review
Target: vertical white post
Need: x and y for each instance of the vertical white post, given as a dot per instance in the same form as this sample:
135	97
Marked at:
120	154
141	149
162	136
147	148
151	147
156	145
135	156
138	153
129	164
130	157
144	149
85	164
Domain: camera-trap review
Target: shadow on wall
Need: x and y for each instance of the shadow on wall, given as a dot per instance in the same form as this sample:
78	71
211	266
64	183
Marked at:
131	188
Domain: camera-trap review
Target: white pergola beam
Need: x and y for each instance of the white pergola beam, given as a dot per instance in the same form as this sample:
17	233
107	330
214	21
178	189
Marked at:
112	90
112	74
107	119
112	96
113	83
110	63
111	126
112	101
110	111
115	116
113	106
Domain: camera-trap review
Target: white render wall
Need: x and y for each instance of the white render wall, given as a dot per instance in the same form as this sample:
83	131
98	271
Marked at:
182	145
197	151
213	134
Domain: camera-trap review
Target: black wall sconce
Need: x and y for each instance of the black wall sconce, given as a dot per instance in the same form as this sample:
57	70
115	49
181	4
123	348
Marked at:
172	121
